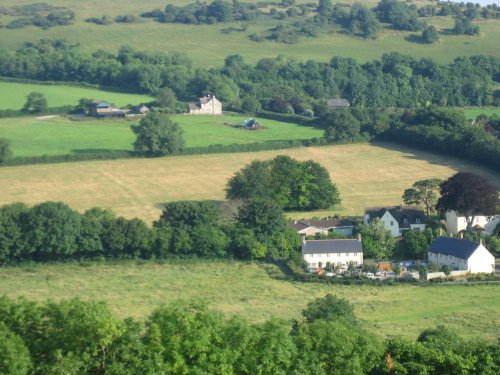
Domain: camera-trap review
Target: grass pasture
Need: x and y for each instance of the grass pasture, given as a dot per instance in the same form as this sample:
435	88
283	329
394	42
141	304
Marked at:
13	95
258	292
365	174
150	35
60	135
473	112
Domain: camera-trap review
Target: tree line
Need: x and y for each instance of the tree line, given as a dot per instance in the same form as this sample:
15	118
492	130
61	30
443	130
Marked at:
279	84
71	337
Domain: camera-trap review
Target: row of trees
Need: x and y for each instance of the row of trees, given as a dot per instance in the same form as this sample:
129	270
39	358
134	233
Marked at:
435	129
75	337
52	231
276	84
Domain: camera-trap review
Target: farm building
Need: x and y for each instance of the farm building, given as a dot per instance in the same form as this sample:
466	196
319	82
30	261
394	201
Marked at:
103	109
324	226
208	105
461	254
456	222
338	103
397	218
317	253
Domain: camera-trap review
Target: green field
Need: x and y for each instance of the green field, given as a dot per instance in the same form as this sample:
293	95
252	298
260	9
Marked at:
472	113
208	46
13	95
258	292
60	135
365	174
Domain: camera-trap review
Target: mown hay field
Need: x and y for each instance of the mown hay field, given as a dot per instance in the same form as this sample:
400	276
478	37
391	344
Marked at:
258	292
13	95
365	174
55	135
208	45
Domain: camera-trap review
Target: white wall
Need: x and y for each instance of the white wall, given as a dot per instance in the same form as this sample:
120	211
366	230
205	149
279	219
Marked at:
391	224
449	260
455	224
341	259
481	261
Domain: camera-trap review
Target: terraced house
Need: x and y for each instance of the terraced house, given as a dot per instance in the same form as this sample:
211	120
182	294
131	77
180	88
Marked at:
317	253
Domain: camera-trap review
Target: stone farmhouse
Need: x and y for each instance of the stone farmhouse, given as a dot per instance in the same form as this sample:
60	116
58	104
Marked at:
317	253
461	254
208	105
324	226
456	223
397	219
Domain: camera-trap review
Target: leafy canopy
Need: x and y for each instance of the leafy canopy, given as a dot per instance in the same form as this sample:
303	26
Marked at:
295	185
157	135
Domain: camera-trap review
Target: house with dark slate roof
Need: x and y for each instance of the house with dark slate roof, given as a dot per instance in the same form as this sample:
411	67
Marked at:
397	219
317	253
323	226
461	254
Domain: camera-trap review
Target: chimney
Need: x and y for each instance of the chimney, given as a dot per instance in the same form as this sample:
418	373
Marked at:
359	236
461	235
440	232
481	241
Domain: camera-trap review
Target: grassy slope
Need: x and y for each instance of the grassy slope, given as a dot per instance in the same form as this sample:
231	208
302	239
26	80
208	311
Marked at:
208	46
472	113
53	136
258	292
13	95
366	175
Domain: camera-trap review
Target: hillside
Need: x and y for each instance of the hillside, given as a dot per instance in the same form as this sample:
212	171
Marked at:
366	175
258	292
217	42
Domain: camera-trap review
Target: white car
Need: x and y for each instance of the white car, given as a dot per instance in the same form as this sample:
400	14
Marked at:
370	275
330	274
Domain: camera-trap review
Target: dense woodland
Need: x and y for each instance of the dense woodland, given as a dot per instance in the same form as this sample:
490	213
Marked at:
76	337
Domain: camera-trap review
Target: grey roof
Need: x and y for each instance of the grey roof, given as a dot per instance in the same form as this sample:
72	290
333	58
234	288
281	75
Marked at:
331	246
462	249
338	103
399	213
193	106
321	224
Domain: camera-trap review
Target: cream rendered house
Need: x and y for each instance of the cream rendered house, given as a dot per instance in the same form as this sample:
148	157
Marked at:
317	253
208	105
397	218
461	254
456	223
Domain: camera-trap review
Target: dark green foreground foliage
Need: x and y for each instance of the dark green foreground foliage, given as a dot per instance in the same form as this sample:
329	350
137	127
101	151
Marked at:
75	337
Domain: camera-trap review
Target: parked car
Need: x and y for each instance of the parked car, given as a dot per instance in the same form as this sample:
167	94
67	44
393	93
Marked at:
330	274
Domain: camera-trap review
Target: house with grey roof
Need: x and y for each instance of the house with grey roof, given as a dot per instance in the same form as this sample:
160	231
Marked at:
317	253
338	103
397	219
207	105
456	222
461	254
324	226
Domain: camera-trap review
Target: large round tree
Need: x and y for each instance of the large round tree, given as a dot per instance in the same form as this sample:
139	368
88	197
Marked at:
157	135
469	195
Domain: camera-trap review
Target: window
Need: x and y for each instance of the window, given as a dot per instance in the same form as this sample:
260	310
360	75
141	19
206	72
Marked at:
328	255
405	220
392	223
338	254
347	254
417	220
355	254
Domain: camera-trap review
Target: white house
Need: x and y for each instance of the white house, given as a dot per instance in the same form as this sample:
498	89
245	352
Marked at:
317	253
456	223
397	218
324	226
461	255
208	105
